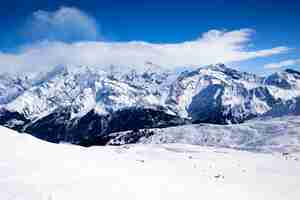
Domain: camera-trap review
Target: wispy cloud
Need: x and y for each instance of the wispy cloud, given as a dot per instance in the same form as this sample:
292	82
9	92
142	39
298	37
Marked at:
285	63
65	24
213	46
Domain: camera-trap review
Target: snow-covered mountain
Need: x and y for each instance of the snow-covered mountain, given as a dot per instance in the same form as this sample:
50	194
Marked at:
83	89
79	103
217	94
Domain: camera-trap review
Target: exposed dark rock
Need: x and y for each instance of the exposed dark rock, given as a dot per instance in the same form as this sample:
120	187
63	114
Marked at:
91	129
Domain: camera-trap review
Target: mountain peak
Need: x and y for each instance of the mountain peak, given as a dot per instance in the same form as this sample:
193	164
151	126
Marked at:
217	67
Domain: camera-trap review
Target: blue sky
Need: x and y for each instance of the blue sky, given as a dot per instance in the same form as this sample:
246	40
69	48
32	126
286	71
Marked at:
272	24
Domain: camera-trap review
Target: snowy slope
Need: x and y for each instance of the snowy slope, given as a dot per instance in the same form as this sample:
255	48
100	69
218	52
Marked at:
263	135
289	107
37	170
11	86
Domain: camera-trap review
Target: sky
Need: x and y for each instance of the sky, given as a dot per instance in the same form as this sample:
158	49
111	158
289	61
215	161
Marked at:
260	36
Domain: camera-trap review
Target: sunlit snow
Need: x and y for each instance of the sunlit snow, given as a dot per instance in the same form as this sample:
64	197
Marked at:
31	169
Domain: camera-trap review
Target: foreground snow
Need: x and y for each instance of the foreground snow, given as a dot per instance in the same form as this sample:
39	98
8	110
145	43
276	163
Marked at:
32	169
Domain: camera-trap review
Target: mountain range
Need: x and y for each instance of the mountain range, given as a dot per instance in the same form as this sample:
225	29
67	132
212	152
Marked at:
78	105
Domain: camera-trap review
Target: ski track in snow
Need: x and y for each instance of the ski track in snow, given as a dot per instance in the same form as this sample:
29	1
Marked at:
31	169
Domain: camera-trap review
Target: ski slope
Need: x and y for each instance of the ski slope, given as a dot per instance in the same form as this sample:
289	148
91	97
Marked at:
31	169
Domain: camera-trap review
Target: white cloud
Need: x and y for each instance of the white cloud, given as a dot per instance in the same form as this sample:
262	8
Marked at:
212	47
65	24
285	63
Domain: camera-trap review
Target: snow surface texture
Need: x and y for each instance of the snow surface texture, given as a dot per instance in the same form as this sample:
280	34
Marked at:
38	170
263	135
